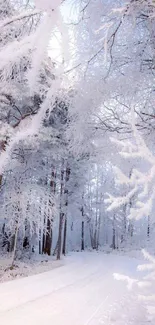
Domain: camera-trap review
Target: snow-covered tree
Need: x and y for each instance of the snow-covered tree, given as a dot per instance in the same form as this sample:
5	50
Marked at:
141	185
21	43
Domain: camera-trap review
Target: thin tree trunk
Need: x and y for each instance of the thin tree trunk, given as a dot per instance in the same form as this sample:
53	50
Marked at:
60	236
40	229
61	213
48	240
98	231
114	234
96	218
124	228
15	244
40	248
91	235
148	227
67	177
45	219
56	249
82	225
43	237
82	237
114	239
130	229
64	238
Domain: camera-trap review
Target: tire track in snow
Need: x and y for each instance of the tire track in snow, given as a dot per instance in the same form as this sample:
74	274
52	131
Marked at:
96	311
84	282
85	301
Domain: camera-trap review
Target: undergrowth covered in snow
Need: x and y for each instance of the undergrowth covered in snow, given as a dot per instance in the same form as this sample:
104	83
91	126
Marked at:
26	267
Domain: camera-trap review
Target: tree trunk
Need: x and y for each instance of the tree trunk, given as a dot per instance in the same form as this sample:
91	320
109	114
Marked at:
60	236
130	229
91	235
98	232
15	244
124	228
12	243
61	213
43	237
40	248
45	219
56	249
18	211
67	177
114	234
82	236
65	237
96	218
114	239
48	239
148	227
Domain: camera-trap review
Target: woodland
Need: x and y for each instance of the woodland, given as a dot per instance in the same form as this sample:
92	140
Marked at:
77	126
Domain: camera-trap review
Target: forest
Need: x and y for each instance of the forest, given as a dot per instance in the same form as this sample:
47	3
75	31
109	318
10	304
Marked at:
77	150
77	160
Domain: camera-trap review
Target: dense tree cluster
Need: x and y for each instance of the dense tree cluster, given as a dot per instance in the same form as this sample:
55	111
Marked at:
58	112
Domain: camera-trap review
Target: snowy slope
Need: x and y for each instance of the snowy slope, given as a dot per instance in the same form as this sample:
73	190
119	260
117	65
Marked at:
81	292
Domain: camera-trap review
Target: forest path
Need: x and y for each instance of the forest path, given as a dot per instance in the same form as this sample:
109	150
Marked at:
82	292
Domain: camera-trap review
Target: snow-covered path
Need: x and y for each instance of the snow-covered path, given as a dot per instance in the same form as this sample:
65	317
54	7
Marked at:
81	292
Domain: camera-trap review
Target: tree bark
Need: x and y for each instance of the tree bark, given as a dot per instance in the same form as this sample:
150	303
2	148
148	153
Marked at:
67	177
15	243
148	227
82	237
114	234
45	219
43	237
65	237
60	236
48	239
61	213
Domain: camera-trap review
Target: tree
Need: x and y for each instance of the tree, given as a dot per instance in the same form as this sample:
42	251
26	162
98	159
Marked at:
24	65
28	86
141	185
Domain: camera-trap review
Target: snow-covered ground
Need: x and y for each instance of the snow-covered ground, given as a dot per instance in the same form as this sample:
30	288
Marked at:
81	292
26	266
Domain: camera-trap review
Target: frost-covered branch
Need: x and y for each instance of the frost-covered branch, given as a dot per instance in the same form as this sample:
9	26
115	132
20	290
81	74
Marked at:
33	49
23	15
147	285
139	182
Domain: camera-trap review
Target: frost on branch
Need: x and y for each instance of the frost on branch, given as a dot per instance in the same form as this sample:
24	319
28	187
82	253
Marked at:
139	183
148	285
130	282
25	37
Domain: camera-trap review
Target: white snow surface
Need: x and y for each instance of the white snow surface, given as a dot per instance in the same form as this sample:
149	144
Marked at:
83	291
26	266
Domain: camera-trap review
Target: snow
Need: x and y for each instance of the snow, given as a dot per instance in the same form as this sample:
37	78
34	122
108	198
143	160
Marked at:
26	266
83	291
